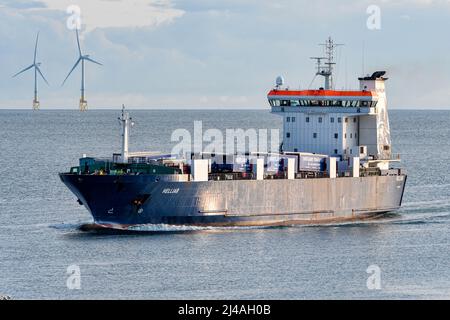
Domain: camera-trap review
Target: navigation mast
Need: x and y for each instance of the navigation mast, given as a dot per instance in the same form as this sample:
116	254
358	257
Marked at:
126	122
326	69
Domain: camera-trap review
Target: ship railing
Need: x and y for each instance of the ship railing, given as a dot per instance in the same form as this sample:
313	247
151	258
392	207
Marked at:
396	172
344	173
230	176
392	157
267	175
277	175
366	172
311	174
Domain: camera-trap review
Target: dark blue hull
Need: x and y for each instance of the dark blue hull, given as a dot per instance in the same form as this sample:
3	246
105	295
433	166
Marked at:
148	199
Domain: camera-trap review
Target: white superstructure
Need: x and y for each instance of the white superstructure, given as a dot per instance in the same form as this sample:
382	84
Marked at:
339	123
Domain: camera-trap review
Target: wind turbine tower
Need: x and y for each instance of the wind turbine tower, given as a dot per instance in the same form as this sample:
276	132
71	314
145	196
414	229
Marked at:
37	70
82	58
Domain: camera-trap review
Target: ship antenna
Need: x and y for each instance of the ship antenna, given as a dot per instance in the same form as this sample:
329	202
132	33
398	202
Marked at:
319	68
326	69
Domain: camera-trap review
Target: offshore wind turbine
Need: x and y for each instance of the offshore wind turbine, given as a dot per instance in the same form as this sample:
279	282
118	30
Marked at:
82	58
37	70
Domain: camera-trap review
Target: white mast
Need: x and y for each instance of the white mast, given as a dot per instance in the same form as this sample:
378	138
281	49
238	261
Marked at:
126	123
326	70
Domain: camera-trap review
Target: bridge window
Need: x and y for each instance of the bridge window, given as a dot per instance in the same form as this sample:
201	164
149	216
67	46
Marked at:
328	103
285	103
274	102
349	104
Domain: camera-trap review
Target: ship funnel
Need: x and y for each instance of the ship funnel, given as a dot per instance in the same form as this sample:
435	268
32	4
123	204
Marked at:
376	84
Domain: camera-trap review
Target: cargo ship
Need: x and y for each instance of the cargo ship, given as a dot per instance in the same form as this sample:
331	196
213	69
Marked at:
334	164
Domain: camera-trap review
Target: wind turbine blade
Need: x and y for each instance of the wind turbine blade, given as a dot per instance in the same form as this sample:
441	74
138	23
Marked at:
78	42
92	60
39	70
35	47
73	68
27	68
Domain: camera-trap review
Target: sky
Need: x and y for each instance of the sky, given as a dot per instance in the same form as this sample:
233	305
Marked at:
221	54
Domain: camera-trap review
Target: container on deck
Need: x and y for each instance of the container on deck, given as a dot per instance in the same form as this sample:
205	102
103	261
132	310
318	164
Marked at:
312	162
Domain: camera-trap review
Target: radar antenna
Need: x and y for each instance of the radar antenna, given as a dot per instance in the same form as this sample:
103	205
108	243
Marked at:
326	69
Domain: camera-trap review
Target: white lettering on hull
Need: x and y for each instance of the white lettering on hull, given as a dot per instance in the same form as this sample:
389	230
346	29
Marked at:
169	190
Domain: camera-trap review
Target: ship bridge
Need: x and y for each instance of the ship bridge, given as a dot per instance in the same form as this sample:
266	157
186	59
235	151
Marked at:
342	101
339	123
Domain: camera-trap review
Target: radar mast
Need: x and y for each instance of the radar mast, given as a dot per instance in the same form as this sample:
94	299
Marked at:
325	69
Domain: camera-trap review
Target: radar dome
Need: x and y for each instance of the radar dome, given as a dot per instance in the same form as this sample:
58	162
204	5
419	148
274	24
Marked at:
279	81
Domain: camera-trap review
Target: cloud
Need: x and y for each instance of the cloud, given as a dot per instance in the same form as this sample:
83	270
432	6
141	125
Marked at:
415	2
22	4
206	53
118	13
